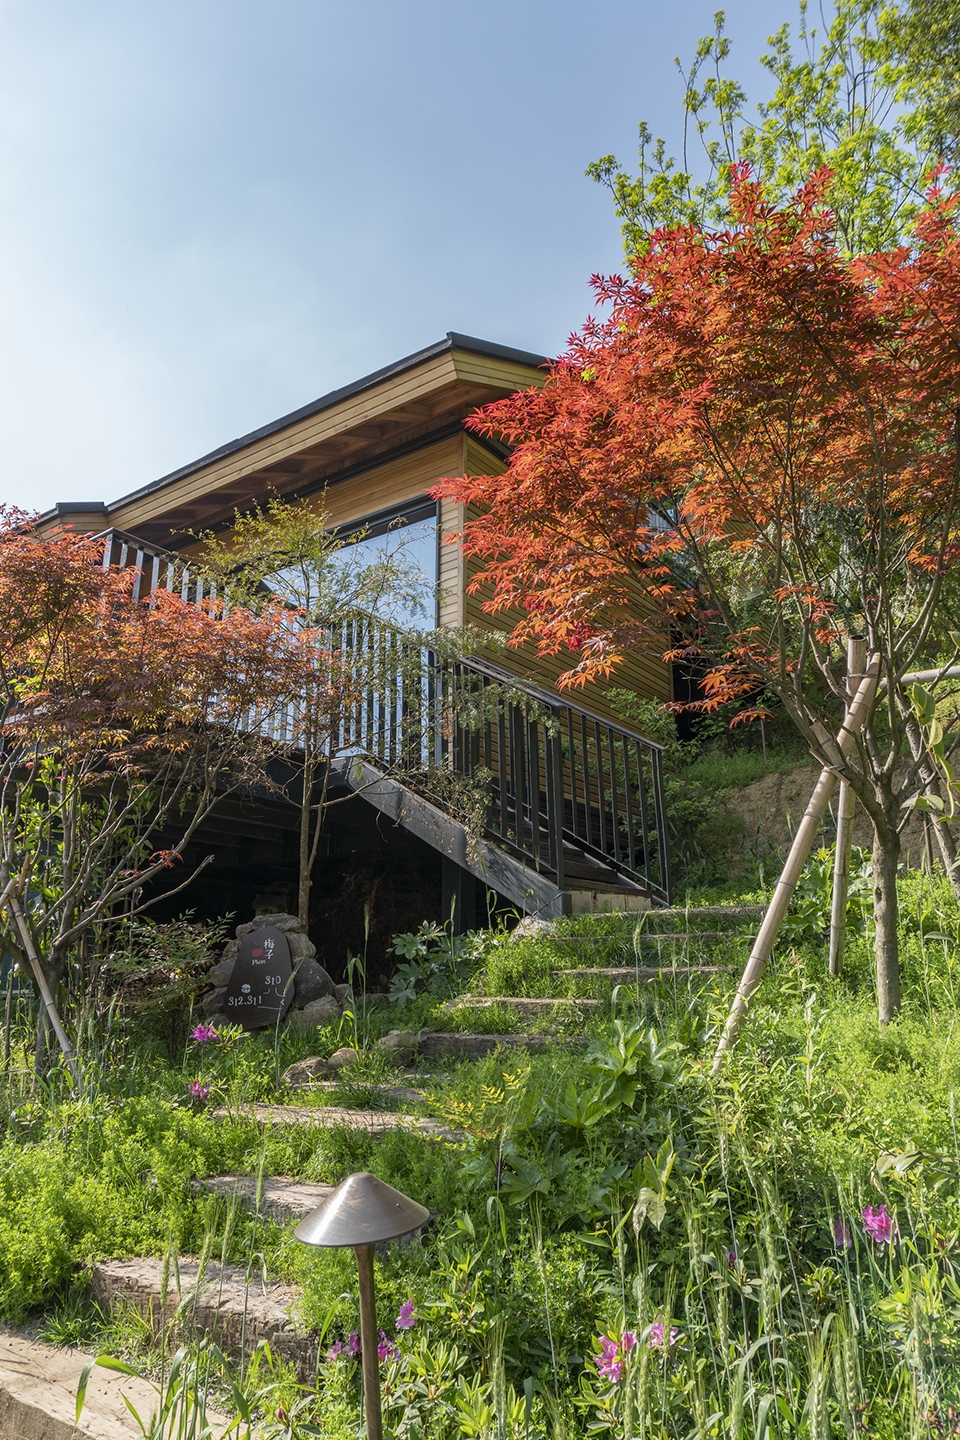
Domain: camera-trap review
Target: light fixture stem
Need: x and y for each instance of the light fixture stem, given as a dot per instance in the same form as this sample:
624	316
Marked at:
369	1341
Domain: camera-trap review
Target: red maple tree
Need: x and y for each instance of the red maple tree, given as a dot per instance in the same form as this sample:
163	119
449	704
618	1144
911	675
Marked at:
751	455
123	723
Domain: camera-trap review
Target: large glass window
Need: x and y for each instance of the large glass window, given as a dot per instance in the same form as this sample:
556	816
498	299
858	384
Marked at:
404	543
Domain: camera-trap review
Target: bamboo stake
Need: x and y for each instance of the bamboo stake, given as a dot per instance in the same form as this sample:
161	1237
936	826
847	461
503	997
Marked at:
69	1055
800	849
856	660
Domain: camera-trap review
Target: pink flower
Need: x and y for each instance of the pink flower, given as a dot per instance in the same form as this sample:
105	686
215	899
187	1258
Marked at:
657	1337
347	1349
198	1090
203	1034
406	1319
879	1226
613	1354
386	1350
842	1237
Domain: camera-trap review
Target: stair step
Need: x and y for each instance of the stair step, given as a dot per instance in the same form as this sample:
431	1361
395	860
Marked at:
644	974
523	1004
643	937
281	1199
236	1311
607	899
38	1395
329	1117
440	1044
678	912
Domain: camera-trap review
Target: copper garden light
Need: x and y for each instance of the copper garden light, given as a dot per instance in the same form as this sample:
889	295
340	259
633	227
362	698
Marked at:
362	1212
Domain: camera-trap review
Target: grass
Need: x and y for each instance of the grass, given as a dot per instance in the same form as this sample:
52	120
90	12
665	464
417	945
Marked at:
614	1189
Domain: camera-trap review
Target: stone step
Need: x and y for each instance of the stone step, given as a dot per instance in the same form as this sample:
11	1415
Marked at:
287	1200
693	912
644	937
643	974
234	1310
38	1395
453	1045
281	1199
328	1117
523	1004
589	899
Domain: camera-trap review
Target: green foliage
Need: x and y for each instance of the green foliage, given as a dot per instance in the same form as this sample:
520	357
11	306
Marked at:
437	962
872	96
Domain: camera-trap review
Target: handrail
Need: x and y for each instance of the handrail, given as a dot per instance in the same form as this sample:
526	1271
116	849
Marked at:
556	776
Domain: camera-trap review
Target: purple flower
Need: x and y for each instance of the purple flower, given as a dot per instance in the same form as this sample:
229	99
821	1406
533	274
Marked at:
613	1354
203	1034
347	1349
406	1319
657	1338
842	1237
198	1090
386	1350
879	1226
730	1256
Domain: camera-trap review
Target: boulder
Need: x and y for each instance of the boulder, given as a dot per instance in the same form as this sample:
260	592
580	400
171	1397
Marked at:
301	947
214	1001
305	1072
288	924
399	1045
311	982
343	1058
218	1020
344	994
319	1012
221	972
530	928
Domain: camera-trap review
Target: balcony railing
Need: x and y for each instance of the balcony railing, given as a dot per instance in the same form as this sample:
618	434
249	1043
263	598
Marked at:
552	775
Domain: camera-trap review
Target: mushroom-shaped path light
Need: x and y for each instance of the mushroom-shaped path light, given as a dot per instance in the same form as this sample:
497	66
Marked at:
361	1212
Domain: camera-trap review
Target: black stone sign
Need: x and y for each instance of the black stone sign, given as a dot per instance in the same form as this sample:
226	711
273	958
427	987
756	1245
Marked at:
260	988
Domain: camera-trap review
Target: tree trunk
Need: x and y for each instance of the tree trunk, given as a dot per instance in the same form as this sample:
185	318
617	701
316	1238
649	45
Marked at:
931	785
886	861
305	865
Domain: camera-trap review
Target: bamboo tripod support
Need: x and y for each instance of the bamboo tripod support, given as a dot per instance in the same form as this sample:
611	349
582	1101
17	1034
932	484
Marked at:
854	722
856	662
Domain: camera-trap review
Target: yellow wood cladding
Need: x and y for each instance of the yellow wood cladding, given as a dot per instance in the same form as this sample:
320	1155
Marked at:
648	675
409	387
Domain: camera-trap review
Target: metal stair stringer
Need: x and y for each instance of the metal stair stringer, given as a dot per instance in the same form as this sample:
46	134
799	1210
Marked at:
533	893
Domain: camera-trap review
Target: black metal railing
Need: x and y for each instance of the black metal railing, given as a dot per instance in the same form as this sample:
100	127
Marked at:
555	778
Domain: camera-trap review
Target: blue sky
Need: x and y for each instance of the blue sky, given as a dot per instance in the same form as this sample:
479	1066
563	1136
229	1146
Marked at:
212	211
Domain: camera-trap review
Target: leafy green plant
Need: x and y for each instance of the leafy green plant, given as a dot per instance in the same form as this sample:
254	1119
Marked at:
436	961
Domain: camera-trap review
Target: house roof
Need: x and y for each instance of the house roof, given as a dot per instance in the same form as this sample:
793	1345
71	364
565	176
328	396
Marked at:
399	407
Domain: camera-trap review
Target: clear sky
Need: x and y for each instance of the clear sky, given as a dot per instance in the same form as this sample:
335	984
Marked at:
213	211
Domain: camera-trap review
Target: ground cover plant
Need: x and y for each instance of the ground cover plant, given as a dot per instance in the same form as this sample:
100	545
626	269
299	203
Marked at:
623	1244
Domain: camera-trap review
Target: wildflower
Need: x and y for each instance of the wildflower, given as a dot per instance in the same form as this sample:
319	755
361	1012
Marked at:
842	1237
879	1226
657	1339
198	1090
406	1319
613	1354
386	1350
347	1349
203	1034
730	1256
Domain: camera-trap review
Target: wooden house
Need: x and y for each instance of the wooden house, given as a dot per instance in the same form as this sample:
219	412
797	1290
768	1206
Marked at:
372	450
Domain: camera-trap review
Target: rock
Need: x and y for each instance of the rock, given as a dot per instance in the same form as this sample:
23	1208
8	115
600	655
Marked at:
530	928
288	924
305	1072
214	1001
218	1020
311	982
301	947
344	994
344	1057
399	1045
220	974
325	1011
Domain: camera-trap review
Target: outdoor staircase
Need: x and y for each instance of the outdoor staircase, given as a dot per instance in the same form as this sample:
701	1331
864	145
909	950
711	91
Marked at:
573	805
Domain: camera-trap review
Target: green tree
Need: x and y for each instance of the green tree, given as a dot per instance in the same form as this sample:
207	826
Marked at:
872	95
